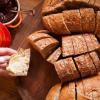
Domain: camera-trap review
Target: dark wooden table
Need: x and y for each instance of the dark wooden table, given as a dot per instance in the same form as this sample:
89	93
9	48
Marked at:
41	75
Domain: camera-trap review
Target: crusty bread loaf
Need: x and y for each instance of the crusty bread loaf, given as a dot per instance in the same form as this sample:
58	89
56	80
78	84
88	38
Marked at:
68	92
96	60
97	30
19	63
85	65
73	20
38	35
54	93
54	56
87	19
67	46
66	69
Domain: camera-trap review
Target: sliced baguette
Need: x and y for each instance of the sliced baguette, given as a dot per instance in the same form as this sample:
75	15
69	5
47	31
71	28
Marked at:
87	19
79	44
90	45
38	35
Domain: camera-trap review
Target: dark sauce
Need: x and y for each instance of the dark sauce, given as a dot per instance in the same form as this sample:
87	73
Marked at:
5	10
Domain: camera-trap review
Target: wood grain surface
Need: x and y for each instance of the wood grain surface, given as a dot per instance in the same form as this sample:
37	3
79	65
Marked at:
42	75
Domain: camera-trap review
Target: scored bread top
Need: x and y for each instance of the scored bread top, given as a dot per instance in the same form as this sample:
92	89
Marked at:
66	69
73	20
38	35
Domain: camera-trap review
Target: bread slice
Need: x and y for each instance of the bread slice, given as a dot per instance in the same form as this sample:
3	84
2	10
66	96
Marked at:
89	43
96	60
67	46
94	41
66	70
68	92
79	44
85	65
60	24
97	30
54	92
19	63
45	46
73	20
54	56
87	19
38	35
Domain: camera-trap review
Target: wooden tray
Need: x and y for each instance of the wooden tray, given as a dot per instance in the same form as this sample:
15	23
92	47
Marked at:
41	75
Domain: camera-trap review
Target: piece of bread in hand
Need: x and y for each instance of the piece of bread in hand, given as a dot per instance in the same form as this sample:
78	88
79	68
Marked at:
19	63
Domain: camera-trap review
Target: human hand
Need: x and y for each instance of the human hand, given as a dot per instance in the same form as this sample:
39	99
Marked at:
5	54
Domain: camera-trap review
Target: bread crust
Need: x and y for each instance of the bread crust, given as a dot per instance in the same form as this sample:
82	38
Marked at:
60	24
73	20
67	46
89	43
79	44
97	30
54	56
85	65
87	19
66	70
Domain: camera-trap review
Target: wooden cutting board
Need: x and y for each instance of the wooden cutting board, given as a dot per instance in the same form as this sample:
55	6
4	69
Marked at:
42	75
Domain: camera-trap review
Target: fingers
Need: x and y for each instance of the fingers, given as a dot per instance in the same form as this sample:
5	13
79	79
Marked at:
4	59
7	51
